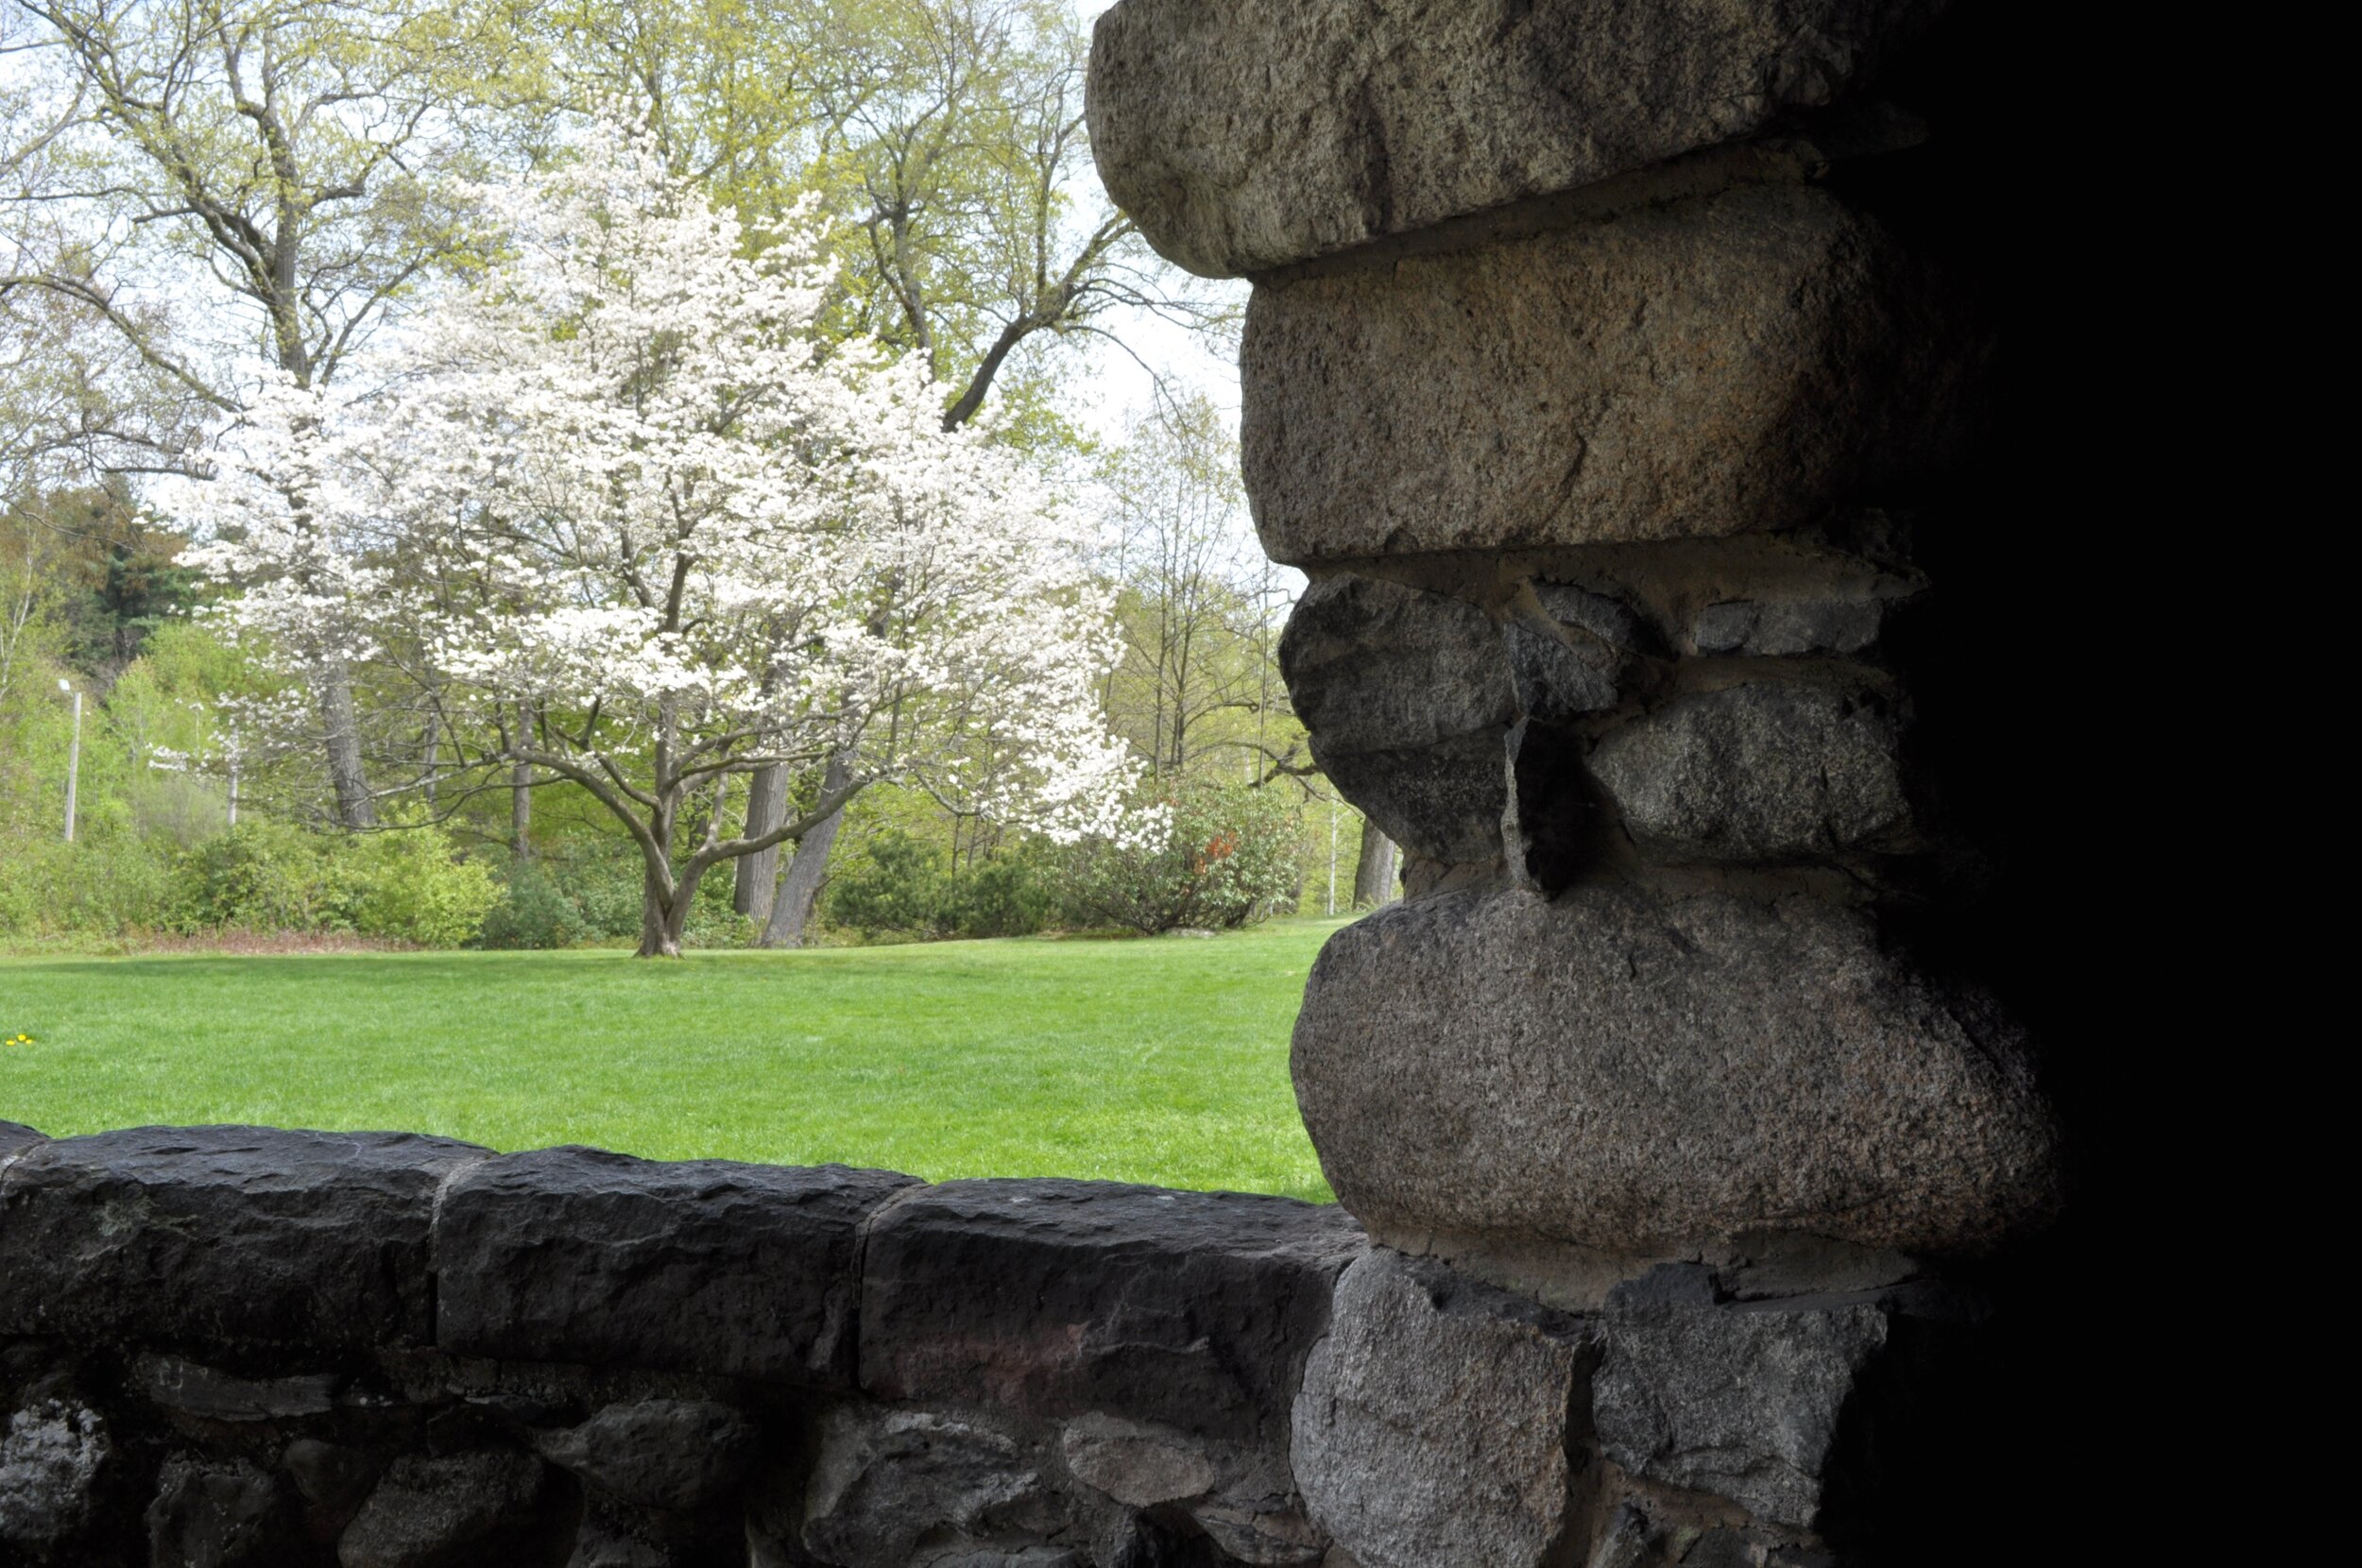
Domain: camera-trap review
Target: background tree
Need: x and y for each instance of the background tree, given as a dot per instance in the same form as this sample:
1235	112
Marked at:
622	489
1375	869
1199	688
949	137
271	158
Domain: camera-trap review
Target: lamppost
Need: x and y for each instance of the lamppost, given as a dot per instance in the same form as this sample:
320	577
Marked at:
73	756
1332	857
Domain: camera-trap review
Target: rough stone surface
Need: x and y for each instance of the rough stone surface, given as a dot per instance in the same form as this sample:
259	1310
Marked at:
1627	1541
1407	699
1741	1398
1775	627
1264	1537
695	1265
887	1480
50	1457
1765	771
1634	1072
429	1512
1055	1299
313	1239
1574	657
1727	364
332	1475
660	1453
1432	1429
604	1542
1246	134
616	1534
203	1391
1137	1464
214	1515
15	1137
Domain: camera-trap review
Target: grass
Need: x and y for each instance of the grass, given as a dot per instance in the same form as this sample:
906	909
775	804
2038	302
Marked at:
1163	1062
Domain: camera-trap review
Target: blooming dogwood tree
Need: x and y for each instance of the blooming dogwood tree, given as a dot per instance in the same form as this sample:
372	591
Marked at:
619	514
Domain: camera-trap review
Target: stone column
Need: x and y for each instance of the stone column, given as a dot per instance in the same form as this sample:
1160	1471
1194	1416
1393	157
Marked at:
1600	374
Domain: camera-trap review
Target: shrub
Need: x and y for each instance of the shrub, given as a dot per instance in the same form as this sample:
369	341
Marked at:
1011	896
411	886
602	878
591	886
893	885
898	884
263	876
533	913
1222	855
406	885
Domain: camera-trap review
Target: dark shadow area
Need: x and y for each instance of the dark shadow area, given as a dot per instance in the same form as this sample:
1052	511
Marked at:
1988	1460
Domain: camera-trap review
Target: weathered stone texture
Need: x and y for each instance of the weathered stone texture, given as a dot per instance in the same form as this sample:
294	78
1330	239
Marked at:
886	1480
1435	1423
1762	771
1136	1464
214	1515
1771	627
268	1238
1723	366
1407	699
192	1390
1054	1298
50	1459
441	1511
1631	1072
699	1266
1575	656
676	1453
1741	1399
1242	135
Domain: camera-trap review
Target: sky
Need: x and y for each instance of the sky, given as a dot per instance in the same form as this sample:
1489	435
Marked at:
1121	388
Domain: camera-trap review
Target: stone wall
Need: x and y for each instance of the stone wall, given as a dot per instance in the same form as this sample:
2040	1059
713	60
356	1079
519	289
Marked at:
238	1346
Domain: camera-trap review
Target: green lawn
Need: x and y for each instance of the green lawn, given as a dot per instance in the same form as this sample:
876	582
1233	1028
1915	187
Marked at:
1163	1060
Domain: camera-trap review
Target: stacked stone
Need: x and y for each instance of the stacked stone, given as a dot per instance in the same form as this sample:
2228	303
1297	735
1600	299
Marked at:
229	1347
1605	424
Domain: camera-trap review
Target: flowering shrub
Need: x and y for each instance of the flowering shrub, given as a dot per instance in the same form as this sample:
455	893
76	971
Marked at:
1224	856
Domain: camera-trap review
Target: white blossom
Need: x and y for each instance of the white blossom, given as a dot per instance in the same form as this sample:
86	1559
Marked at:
623	477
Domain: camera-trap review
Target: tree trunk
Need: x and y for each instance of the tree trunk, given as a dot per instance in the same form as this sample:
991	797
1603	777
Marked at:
759	872
354	807
520	809
1374	875
799	890
663	915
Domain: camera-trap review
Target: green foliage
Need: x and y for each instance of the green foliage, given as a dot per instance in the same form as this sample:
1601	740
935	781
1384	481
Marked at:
406	885
1011	895
262	876
899	884
896	884
589	887
534	912
409	886
103	886
602	877
1223	856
